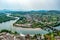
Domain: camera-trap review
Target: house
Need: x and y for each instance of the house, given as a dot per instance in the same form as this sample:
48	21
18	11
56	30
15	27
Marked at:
57	37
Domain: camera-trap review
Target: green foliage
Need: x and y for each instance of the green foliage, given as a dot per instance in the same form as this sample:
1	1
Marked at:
8	31
4	18
22	20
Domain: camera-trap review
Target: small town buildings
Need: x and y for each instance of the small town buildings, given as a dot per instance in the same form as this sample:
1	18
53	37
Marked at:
57	37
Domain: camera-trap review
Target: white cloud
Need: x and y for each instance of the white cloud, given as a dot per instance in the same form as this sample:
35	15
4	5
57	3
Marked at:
29	4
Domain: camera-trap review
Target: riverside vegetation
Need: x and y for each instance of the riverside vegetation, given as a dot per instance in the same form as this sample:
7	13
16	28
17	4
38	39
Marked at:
4	18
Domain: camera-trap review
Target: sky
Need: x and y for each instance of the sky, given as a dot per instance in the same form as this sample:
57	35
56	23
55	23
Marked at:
30	4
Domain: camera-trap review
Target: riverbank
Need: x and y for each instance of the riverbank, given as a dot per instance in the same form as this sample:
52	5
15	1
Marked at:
23	26
28	28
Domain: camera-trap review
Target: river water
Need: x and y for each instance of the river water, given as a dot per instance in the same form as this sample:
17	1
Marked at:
9	26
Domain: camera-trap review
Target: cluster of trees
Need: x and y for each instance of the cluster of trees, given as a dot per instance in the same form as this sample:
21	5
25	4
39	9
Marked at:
8	31
22	20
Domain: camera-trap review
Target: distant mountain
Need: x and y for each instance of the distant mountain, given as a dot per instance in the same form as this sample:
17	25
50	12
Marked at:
4	11
30	12
54	11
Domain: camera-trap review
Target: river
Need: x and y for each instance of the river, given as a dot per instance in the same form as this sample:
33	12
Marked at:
9	26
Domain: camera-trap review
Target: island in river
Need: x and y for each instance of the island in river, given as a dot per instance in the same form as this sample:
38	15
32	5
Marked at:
37	19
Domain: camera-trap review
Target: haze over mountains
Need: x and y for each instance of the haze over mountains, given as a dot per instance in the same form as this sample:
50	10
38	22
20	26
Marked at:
31	12
26	5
